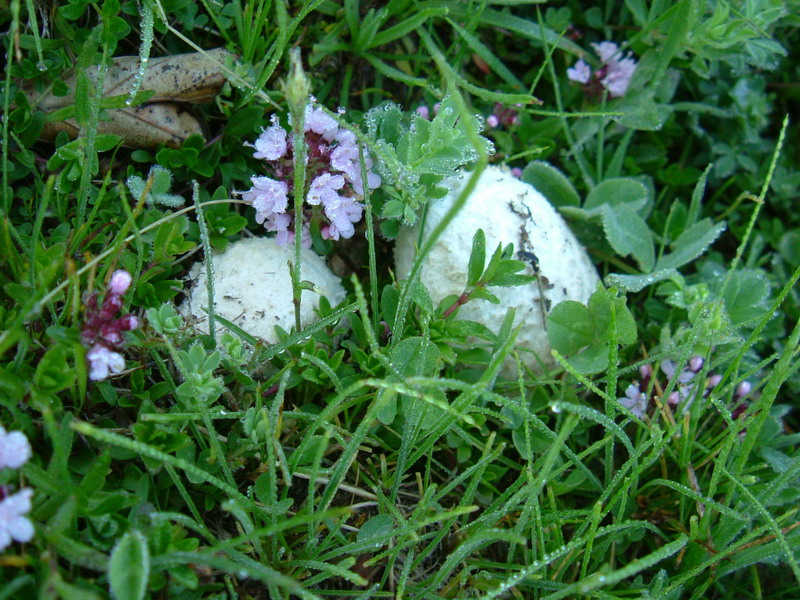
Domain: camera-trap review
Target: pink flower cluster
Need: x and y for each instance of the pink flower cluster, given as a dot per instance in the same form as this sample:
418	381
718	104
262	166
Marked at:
102	330
504	116
15	451
335	187
686	390
614	75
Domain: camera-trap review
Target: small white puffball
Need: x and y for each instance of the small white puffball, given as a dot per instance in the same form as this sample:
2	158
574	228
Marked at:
509	211
253	289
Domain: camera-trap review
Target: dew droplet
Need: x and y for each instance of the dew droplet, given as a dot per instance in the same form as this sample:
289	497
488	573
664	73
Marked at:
41	66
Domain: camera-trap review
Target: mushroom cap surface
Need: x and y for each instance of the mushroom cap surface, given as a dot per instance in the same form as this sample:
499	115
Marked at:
509	211
253	289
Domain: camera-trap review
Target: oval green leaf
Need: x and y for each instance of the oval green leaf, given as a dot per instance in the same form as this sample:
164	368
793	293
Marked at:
129	567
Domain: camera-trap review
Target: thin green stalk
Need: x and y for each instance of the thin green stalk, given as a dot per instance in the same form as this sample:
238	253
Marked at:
207	257
37	226
90	131
12	35
373	267
297	93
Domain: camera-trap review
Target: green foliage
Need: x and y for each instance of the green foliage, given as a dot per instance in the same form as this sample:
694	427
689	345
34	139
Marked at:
415	155
160	180
387	449
586	333
129	567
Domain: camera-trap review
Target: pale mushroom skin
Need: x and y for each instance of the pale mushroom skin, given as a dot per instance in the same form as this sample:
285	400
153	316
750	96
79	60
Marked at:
509	211
253	289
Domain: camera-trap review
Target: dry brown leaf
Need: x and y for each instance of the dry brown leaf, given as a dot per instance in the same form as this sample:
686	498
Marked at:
193	78
144	126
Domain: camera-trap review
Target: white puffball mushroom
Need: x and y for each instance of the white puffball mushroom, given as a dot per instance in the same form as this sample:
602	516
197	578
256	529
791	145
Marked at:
253	289
509	211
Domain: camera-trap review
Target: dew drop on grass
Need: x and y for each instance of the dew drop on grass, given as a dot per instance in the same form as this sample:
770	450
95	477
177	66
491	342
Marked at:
41	66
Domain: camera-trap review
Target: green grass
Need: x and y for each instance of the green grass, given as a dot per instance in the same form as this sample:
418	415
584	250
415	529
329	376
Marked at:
374	453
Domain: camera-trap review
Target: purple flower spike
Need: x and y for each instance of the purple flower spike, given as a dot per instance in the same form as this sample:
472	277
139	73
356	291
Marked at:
606	50
635	400
580	72
613	76
319	122
618	76
271	144
267	196
104	362
102	330
333	164
423	112
120	282
324	189
342	214
696	363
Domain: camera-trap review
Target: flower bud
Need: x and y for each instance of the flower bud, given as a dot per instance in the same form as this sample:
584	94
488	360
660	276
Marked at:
120	282
696	363
298	87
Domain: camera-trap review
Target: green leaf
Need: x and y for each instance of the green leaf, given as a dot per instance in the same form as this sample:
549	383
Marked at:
697	198
552	183
53	373
393	209
106	141
390	296
636	283
746	295
682	21
477	258
129	567
569	327
82	100
407	26
692	243
494	63
619	190
591	361
628	234
640	111
379	526
413	357
600	305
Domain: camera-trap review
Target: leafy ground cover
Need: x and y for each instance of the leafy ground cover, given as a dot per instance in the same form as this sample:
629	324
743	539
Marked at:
387	449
